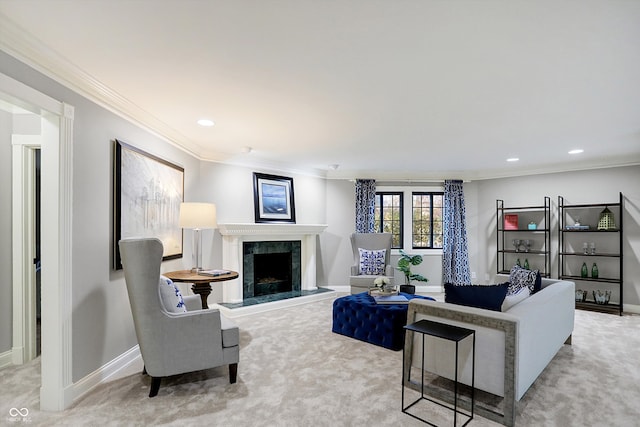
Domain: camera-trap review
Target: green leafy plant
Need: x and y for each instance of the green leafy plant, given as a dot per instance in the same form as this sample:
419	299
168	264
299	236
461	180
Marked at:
404	264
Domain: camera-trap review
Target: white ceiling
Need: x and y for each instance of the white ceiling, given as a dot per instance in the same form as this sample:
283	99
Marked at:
389	89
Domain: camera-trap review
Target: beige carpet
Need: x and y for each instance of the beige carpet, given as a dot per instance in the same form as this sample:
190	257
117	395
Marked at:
295	372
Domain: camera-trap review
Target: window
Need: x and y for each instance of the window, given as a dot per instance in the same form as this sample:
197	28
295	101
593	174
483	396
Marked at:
426	222
424	216
388	216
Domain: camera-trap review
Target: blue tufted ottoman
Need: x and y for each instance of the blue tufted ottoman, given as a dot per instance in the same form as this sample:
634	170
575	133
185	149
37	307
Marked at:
358	316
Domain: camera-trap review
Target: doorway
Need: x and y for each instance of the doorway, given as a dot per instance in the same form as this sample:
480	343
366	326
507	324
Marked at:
56	195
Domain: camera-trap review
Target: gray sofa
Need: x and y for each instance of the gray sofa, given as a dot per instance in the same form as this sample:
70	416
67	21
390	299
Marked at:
512	347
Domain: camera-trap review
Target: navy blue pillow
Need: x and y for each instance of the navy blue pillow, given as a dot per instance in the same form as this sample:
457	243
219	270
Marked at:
489	297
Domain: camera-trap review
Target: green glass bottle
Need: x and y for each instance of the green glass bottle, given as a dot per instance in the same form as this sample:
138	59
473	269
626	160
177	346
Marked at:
526	263
594	271
518	262
585	270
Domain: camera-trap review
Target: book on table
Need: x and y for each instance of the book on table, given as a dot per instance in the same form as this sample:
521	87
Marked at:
391	299
214	273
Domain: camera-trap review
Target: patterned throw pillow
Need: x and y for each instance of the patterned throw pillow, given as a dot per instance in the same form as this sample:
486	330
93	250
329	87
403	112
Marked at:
171	296
372	262
520	277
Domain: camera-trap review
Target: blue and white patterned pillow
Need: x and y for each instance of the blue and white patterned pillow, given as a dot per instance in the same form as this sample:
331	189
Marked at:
171	296
372	262
520	277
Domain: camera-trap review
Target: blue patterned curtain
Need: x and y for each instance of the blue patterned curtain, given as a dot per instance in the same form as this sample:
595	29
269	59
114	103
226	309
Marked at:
455	256
365	205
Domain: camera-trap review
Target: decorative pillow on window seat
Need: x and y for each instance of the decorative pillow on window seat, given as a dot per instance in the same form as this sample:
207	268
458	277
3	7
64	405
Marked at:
489	297
520	277
171	296
372	262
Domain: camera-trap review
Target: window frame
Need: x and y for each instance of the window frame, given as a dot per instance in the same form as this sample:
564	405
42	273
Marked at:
431	195
379	229
407	214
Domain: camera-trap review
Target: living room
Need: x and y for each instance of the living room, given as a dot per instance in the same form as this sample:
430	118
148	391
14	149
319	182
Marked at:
101	331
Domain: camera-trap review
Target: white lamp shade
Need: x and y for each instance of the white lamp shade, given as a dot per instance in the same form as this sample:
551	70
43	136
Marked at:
197	215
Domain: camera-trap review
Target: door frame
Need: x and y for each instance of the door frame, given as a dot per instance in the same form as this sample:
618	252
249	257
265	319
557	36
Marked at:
56	392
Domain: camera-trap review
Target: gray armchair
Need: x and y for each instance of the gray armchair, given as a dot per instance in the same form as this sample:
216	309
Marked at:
173	343
369	241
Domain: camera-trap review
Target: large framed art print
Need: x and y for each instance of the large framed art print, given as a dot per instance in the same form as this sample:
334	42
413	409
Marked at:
148	191
273	198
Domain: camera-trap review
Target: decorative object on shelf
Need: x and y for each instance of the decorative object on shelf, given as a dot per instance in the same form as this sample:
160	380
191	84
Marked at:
532	226
510	221
404	265
592	248
527	245
606	221
516	244
526	263
581	295
576	226
585	248
594	271
601	297
518	262
585	271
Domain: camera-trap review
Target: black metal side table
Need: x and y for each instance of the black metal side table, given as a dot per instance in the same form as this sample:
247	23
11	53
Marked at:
450	333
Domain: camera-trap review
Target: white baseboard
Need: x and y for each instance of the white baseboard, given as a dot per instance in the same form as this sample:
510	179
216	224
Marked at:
631	308
127	363
6	359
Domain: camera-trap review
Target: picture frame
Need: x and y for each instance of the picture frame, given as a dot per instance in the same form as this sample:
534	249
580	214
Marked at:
273	198
147	194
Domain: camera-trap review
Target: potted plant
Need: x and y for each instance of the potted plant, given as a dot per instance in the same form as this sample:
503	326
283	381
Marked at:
404	265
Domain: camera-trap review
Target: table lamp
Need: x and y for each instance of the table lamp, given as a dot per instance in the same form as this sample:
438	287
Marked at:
197	216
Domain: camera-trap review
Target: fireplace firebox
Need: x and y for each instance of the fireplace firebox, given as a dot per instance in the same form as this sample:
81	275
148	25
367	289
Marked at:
271	267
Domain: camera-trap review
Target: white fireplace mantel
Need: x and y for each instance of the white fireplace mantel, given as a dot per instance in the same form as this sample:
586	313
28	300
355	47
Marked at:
233	235
266	229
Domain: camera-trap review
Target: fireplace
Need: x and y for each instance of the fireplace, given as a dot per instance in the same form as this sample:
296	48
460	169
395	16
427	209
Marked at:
271	267
235	236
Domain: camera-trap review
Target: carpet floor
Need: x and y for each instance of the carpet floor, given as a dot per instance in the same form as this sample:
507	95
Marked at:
294	371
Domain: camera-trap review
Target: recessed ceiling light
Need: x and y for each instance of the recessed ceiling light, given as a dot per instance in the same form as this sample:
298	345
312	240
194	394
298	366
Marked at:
576	151
205	122
512	159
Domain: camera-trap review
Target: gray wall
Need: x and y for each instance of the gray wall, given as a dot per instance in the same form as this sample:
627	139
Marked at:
102	324
594	186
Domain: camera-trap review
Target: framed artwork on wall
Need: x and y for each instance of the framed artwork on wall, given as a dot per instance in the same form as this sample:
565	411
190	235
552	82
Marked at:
273	198
147	193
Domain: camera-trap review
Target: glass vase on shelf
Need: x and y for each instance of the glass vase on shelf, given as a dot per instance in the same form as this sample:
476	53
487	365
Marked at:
594	271
518	262
585	271
526	263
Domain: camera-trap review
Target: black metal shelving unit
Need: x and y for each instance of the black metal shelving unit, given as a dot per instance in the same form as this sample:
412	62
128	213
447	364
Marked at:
572	255
540	254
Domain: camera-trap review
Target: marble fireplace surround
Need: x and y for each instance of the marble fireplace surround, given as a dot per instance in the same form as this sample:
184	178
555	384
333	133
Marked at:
234	235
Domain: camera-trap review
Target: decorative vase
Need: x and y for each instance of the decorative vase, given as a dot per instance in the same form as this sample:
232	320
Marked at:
585	271
518	262
594	271
526	263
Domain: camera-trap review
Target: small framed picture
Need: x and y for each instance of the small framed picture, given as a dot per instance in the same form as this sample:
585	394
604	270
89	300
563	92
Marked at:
273	198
